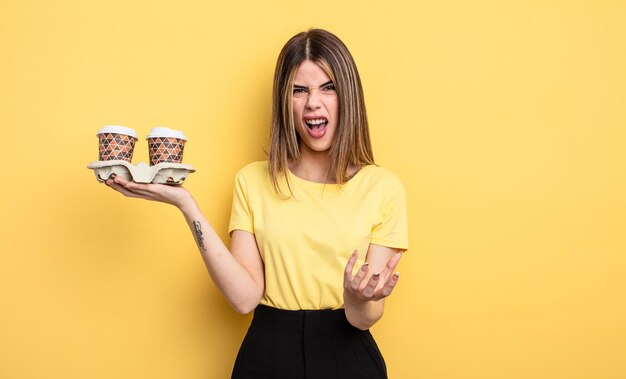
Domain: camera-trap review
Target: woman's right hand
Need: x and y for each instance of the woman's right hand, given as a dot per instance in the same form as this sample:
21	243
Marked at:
170	194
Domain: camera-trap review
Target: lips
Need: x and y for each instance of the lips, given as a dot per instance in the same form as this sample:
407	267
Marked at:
316	126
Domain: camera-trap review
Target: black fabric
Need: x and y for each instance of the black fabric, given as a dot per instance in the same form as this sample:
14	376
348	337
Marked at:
317	344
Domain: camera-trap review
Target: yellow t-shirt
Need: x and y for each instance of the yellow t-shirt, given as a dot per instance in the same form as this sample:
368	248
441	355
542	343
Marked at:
305	241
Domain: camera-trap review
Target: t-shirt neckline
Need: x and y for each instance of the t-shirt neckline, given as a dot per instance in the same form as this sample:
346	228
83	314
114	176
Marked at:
331	185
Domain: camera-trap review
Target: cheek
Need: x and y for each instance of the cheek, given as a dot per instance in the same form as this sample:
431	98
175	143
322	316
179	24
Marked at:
333	107
296	110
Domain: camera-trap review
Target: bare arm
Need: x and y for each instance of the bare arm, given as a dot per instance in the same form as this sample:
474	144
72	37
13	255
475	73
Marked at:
238	273
365	292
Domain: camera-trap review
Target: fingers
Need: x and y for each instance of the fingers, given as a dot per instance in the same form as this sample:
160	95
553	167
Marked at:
360	275
123	190
391	265
370	288
132	186
389	286
169	194
118	179
347	275
386	275
139	188
380	285
373	293
136	188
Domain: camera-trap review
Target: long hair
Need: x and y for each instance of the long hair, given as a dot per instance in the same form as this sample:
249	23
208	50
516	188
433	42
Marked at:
352	144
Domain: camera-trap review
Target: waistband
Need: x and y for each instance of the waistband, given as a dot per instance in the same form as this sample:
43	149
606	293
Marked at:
263	313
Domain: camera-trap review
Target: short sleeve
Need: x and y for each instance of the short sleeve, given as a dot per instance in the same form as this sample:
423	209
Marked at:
241	216
392	231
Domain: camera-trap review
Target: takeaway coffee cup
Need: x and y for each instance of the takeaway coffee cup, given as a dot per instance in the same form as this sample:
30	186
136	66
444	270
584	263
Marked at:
116	143
165	145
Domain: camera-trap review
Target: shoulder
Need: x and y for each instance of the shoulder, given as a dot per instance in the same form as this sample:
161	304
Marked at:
381	177
253	171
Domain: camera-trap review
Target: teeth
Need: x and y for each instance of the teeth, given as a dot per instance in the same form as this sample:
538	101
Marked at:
316	121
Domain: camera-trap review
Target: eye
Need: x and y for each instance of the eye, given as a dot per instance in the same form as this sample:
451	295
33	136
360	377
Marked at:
299	92
328	88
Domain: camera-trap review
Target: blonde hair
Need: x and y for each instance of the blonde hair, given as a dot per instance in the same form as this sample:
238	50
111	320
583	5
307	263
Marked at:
352	144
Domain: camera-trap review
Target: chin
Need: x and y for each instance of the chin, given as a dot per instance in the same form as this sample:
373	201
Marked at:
314	146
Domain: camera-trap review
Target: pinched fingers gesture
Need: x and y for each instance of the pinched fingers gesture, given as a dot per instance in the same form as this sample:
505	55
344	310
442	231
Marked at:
367	286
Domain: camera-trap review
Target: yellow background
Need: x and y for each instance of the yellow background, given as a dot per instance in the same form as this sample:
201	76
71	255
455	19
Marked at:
505	119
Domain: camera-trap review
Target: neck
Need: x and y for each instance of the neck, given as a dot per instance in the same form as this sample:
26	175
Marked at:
313	166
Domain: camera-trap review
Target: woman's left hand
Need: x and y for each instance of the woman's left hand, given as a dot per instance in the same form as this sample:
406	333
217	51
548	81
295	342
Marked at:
363	286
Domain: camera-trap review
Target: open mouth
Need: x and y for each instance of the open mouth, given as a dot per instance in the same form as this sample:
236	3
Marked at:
316	126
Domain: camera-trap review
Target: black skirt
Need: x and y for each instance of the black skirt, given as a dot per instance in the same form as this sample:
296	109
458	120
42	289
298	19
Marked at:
318	344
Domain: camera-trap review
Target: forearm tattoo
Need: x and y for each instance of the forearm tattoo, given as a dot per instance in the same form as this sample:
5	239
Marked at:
198	234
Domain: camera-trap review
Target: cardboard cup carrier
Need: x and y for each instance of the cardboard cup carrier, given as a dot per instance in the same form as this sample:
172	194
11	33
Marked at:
115	151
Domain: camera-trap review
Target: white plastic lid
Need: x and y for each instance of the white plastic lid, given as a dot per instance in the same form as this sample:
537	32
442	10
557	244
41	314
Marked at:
118	129
166	132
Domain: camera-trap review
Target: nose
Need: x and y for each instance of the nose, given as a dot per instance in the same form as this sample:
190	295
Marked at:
313	100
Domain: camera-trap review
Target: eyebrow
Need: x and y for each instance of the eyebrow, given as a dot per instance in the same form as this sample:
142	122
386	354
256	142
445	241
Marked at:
305	87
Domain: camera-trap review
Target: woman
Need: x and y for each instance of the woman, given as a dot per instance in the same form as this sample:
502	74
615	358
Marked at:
299	221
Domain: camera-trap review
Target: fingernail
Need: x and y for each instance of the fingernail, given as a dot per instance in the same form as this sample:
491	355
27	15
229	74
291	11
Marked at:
376	275
113	176
364	268
396	275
